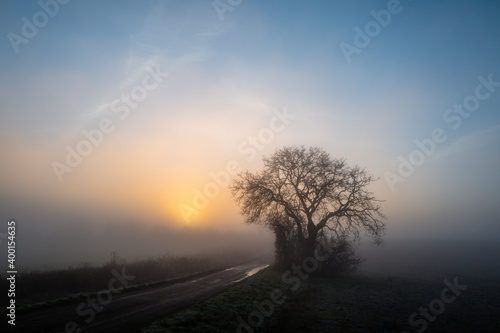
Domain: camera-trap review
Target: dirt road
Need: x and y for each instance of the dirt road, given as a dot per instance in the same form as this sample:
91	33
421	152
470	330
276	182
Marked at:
129	311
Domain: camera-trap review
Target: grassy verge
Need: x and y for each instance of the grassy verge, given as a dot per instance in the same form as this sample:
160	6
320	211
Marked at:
346	303
48	286
82	296
221	313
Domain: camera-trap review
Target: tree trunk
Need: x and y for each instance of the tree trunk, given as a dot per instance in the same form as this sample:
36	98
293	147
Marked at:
309	244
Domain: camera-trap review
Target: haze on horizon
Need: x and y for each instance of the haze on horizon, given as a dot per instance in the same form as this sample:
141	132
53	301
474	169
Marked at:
178	96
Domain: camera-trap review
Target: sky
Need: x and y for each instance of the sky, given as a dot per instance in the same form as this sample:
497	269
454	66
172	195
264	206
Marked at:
132	117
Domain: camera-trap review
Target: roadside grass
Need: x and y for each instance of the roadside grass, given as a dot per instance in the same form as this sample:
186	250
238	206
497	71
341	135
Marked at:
42	289
82	296
344	303
220	313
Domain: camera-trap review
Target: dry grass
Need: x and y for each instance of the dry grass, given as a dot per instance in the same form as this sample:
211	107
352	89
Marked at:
43	286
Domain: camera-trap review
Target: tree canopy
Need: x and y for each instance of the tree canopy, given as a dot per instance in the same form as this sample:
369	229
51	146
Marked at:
307	187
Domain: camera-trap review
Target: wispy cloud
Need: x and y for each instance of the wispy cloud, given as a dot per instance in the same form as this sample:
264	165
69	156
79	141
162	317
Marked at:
471	142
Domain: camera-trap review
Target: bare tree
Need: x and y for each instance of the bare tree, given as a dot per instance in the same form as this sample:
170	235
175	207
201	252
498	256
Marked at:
315	192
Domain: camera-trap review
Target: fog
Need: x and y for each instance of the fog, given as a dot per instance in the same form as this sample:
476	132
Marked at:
173	92
431	258
58	239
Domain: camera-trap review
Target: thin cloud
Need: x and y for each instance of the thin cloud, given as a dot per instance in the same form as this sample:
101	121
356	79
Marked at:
471	142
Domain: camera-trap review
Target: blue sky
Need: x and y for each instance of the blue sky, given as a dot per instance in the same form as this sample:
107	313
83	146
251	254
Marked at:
225	78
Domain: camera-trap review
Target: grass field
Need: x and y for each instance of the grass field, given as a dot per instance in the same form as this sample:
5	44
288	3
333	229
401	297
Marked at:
345	303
